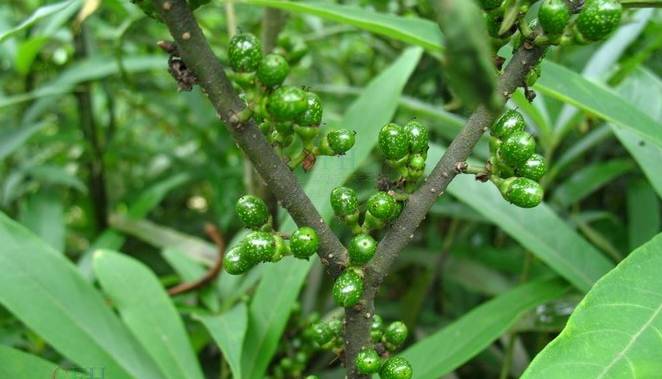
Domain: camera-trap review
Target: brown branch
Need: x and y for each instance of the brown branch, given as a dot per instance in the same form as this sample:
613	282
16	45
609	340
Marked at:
215	235
199	58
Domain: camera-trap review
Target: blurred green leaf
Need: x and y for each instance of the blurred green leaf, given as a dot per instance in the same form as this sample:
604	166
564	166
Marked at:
615	330
43	214
13	138
280	285
18	364
50	174
229	330
40	13
643	208
190	271
464	338
44	290
148	312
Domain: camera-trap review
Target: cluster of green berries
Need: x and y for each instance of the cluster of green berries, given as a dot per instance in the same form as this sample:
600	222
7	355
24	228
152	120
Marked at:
262	244
515	166
405	149
288	116
385	339
556	22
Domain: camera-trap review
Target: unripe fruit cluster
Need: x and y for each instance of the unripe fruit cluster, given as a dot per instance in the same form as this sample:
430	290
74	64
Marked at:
262	244
405	148
288	116
389	338
516	168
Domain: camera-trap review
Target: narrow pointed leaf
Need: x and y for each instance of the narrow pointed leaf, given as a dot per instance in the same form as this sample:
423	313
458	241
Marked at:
229	330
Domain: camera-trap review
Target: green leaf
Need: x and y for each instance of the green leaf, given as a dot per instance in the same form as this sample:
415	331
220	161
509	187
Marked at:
643	208
40	13
44	290
281	283
615	332
43	214
50	174
18	364
588	180
148	312
190	271
412	30
473	332
13	138
229	330
538	229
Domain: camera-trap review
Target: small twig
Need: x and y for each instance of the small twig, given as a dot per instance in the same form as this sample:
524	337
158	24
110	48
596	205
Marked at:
215	235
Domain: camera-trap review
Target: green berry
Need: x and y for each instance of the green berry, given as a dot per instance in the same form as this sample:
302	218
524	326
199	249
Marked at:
533	168
418	136
236	262
259	246
287	103
553	16
312	115
417	162
336	327
517	148
377	328
367	361
533	76
347	289
508	123
395	334
361	249
273	70
252	211
493	21
341	140
598	18
321	333
312	377
244	53
523	192
344	201
490	4
281	248
396	368
393	141
382	206
304	242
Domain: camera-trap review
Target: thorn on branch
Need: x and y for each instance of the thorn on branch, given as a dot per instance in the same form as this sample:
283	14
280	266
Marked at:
177	68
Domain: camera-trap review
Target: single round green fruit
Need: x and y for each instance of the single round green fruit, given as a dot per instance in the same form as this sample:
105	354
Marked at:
393	141
490	4
377	328
368	361
396	334
236	262
419	137
533	168
347	289
344	201
322	333
396	368
553	16
382	206
523	192
509	122
417	162
361	249
312	115
598	18
252	211
259	246
517	148
273	70
304	242
336	327
341	140
287	103
244	52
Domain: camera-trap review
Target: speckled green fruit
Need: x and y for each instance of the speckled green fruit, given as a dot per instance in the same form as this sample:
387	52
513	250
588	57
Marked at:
517	148
259	246
490	4
287	103
361	249
368	361
533	168
396	333
252	211
377	328
347	289
393	141
396	368
244	52
419	137
344	201
273	70
321	333
509	122
553	16
336	327
417	162
598	18
341	140
382	205
523	192
236	262
312	115
304	242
